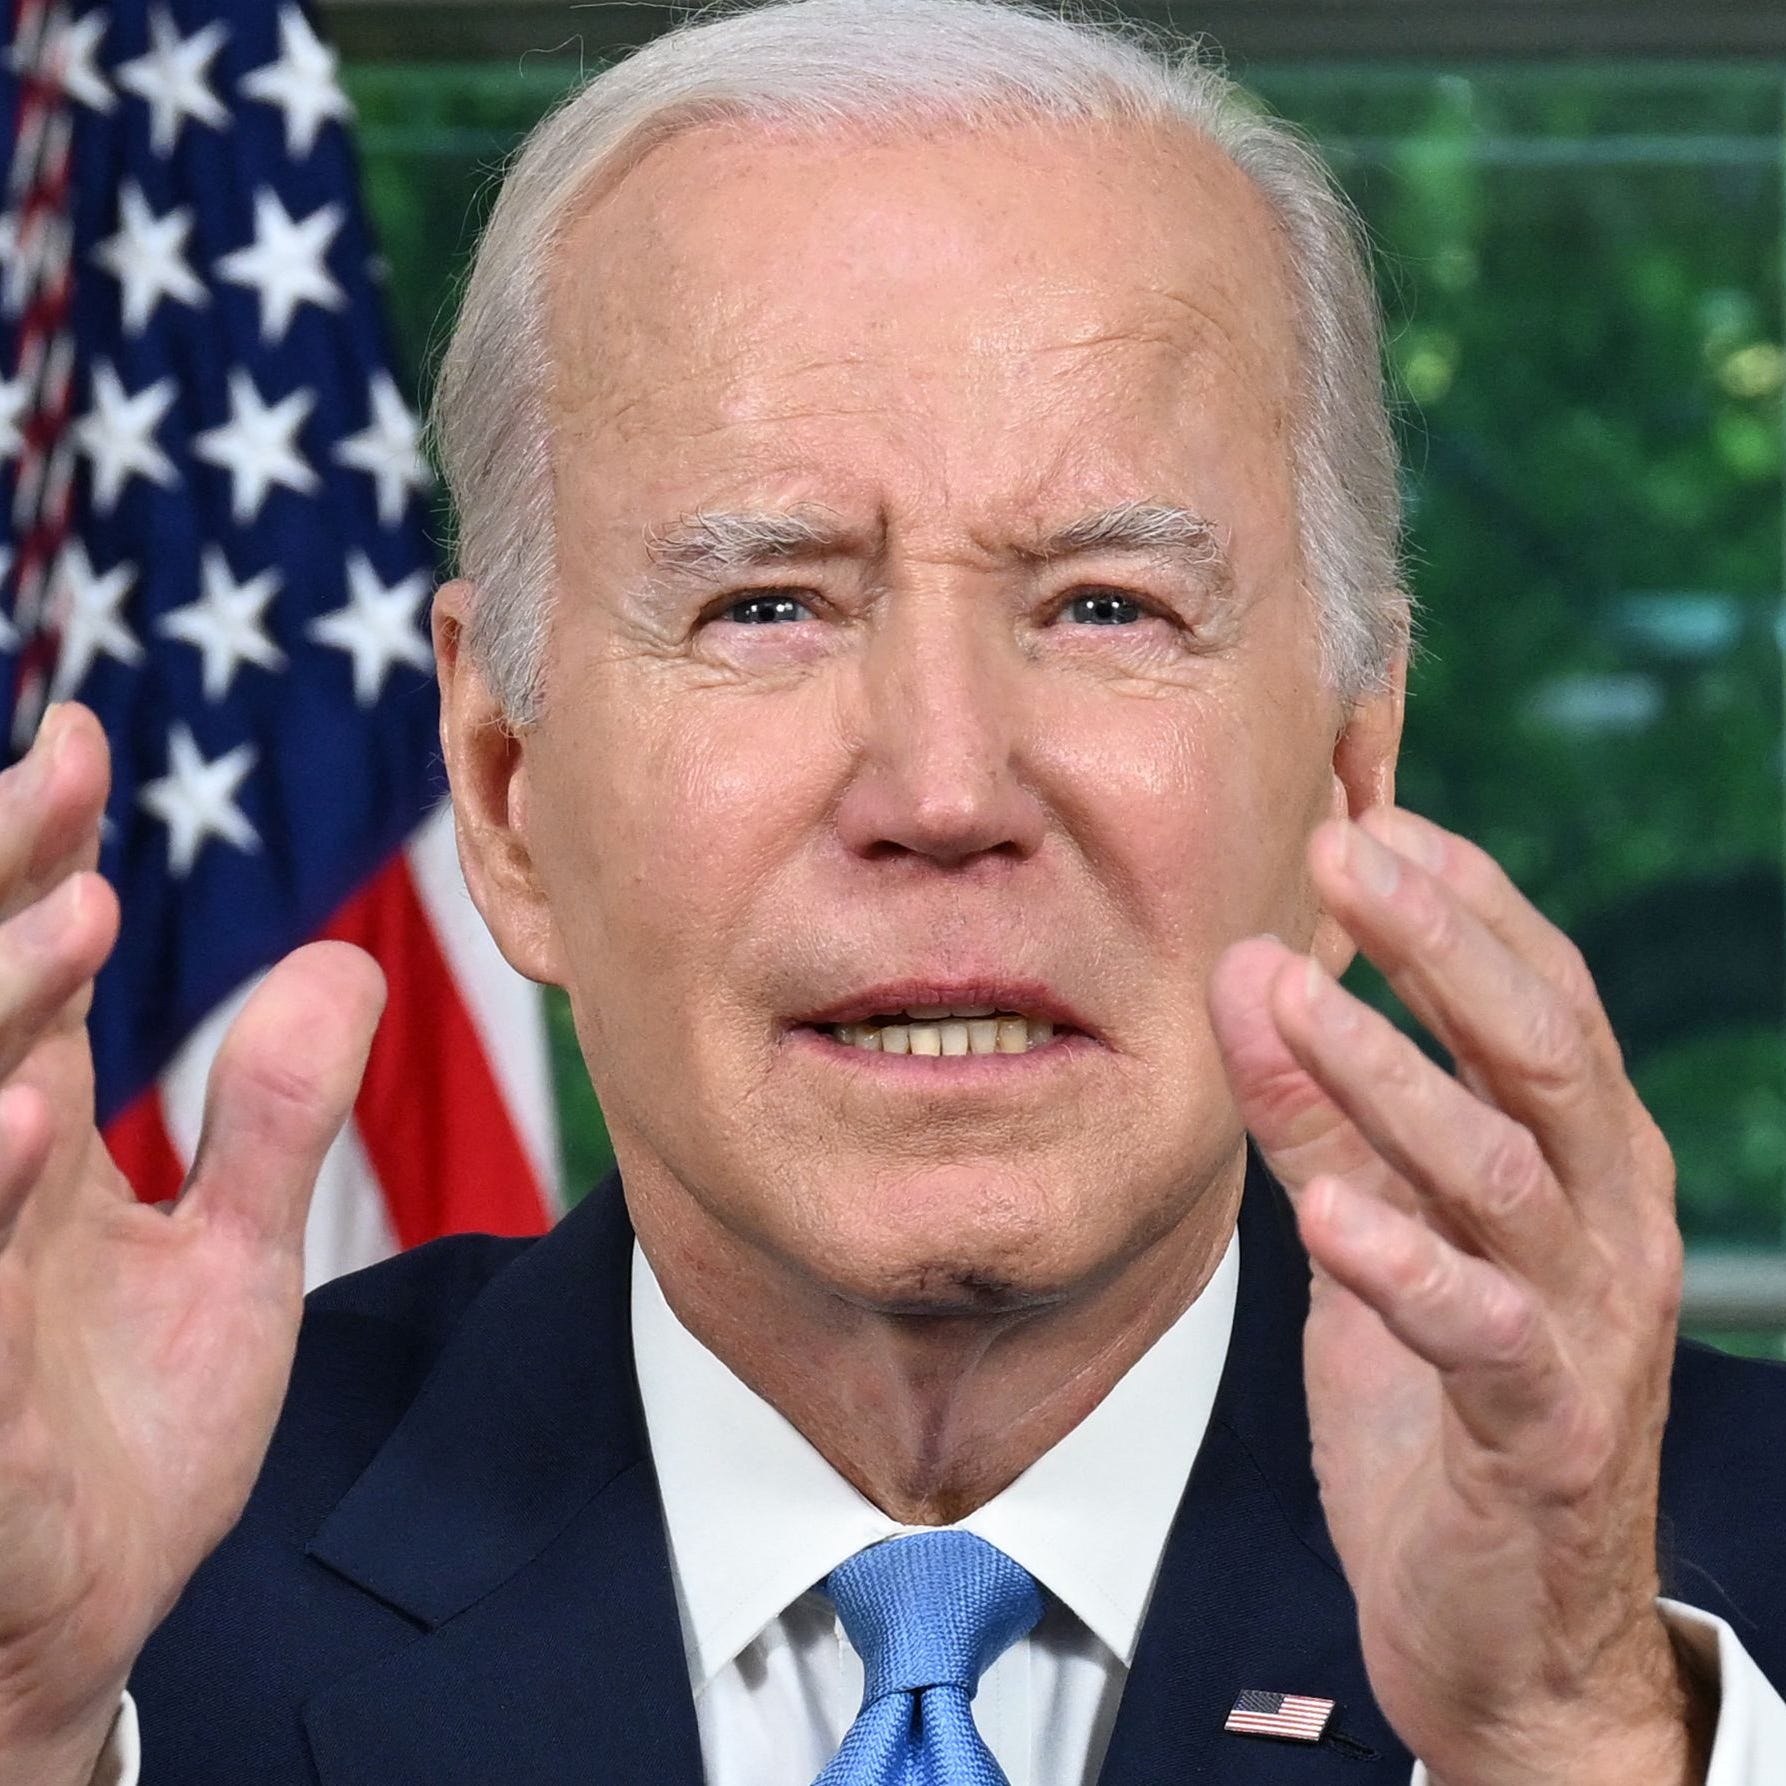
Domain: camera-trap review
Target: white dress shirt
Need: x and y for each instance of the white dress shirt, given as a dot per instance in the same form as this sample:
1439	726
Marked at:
756	1517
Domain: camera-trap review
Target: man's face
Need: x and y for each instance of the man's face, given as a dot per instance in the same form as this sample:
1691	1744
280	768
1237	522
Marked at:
930	633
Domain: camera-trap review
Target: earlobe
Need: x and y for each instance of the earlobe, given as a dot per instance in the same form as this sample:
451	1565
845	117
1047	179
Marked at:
487	770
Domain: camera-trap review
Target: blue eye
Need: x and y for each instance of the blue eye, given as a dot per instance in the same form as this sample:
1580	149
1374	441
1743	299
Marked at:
1104	607
766	610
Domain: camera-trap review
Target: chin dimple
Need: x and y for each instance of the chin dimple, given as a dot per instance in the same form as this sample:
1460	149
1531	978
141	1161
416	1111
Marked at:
946	1030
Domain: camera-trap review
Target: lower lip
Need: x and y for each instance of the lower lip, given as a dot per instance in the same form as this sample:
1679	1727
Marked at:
936	1071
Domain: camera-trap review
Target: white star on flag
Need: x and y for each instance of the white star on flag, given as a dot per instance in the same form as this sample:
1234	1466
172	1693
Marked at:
14	395
255	446
73	62
171	77
301	83
284	262
85	608
148	258
196	800
377	627
227	623
388	449
118	435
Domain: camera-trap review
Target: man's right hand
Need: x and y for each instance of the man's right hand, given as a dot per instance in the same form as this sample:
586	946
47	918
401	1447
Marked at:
143	1352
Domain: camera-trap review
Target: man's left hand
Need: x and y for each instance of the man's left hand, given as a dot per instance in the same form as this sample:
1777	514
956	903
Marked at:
1497	1274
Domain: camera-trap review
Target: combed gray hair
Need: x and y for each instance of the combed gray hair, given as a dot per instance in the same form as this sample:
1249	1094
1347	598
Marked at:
877	65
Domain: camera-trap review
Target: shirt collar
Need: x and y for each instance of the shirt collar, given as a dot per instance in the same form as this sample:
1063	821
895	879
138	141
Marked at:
756	1517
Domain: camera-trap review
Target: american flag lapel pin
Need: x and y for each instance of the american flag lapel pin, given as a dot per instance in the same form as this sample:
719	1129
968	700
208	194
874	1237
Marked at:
1291	1717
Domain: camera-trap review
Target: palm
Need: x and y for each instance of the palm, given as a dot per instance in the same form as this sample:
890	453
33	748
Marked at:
1384	1444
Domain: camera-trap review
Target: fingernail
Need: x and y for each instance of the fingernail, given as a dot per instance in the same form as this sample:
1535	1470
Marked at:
1330	1007
1374	865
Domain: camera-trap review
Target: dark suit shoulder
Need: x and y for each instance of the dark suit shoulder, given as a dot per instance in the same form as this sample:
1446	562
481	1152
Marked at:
1724	1495
261	1623
367	1344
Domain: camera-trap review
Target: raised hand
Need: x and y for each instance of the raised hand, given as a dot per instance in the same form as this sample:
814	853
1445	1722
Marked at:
1496	1279
143	1352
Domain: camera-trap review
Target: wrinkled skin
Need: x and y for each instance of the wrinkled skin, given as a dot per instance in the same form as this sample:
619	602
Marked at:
937	351
937	767
930	772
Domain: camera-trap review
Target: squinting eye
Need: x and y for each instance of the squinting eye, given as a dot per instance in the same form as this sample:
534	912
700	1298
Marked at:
1104	607
766	610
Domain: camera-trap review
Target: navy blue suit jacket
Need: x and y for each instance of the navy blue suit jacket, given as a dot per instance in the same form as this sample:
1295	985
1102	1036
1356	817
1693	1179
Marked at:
453	1570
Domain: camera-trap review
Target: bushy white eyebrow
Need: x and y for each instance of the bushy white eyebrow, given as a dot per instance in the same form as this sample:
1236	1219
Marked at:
1155	529
718	546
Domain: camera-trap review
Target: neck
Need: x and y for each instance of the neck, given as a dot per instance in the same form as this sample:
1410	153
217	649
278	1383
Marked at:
930	1415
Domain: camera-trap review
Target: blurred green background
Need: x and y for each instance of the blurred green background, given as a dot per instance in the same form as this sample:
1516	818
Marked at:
1582	268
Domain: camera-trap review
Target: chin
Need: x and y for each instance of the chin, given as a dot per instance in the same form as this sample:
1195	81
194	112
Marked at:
951	1239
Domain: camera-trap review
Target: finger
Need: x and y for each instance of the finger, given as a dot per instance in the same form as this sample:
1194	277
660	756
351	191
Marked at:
48	952
50	806
280	1089
1484	1333
1514	1033
1299	1127
25	1132
1481	1174
1486	891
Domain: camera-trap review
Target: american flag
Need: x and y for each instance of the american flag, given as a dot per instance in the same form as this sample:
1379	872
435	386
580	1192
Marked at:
1295	1717
216	537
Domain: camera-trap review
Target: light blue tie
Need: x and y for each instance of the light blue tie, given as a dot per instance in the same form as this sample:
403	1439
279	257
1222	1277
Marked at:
928	1615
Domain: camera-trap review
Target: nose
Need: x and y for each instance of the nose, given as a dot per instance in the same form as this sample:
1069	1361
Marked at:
939	773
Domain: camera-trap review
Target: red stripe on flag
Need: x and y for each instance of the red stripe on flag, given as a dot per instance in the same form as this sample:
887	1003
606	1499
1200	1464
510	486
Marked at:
144	1151
430	1113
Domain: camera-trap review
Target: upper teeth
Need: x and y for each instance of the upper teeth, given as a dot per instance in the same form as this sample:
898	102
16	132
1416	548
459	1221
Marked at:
948	1029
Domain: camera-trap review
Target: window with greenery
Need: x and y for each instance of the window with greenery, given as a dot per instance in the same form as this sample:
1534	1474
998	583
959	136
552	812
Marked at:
1582	268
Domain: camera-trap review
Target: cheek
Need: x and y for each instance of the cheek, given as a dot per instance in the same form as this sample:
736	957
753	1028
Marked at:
1193	807
694	799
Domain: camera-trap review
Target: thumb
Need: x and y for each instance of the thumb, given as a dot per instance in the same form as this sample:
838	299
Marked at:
1299	1128
280	1089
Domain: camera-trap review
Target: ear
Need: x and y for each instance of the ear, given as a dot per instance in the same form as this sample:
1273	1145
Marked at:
1364	759
486	762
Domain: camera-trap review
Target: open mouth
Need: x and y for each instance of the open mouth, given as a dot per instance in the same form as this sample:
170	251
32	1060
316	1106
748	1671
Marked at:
945	1030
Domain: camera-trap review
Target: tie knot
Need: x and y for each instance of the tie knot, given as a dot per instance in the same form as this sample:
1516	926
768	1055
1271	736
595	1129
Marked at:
935	1609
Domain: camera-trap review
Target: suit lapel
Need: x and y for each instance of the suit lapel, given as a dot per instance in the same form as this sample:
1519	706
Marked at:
513	1515
1250	1594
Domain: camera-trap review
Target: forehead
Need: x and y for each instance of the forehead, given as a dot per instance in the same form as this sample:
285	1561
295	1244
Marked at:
742	295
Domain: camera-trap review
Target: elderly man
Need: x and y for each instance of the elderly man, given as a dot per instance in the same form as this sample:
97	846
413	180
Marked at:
927	680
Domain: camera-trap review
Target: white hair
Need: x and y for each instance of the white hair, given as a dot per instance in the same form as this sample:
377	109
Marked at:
880	65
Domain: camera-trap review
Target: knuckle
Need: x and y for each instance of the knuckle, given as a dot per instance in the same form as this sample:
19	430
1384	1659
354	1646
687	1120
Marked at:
1513	1172
1573	979
1421	1272
1552	1050
1508	1318
1434	920
1586	1449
